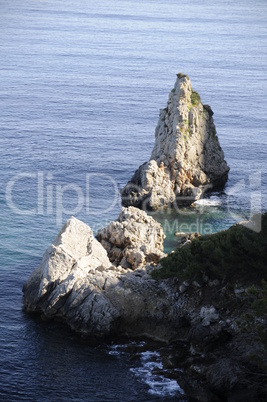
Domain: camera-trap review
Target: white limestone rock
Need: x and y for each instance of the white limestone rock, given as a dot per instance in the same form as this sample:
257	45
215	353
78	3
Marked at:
73	254
186	159
134	240
77	283
208	315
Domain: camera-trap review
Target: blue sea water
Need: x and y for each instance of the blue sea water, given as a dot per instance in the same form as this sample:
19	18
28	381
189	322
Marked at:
81	88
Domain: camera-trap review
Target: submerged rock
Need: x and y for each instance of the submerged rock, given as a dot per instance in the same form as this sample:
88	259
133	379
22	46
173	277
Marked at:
187	158
134	240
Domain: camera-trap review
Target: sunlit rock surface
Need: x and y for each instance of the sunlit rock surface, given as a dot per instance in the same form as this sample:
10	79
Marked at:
187	158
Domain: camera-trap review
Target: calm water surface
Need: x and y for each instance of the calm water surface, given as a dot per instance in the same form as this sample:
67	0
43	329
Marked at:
81	88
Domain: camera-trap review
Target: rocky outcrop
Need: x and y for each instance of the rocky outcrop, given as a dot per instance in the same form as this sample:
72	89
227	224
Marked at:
210	328
77	282
133	240
187	158
64	271
185	238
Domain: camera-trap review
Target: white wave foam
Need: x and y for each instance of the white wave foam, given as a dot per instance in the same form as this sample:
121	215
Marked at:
118	350
208	202
158	384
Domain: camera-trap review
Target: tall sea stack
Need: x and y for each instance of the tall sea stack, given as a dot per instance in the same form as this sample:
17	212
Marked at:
187	158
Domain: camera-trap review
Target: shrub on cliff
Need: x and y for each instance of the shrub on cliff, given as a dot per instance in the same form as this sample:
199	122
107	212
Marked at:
195	98
234	254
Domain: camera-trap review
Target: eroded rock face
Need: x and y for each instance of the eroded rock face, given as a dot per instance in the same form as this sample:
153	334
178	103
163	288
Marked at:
77	283
187	158
62	286
134	240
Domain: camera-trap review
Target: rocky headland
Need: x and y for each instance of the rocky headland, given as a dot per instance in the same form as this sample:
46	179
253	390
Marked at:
201	314
187	159
205	304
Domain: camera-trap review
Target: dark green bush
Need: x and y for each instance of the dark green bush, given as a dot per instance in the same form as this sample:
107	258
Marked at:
195	98
181	75
234	254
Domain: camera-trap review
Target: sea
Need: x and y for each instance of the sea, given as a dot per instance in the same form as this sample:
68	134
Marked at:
81	86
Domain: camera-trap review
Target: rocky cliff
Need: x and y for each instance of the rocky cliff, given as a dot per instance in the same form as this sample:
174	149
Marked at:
77	282
187	158
213	323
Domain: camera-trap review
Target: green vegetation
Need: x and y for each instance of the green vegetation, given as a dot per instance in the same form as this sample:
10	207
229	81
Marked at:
237	254
195	98
260	303
238	258
186	130
251	322
181	75
259	306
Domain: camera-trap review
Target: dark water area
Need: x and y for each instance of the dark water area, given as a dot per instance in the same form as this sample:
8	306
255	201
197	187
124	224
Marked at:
81	88
43	360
